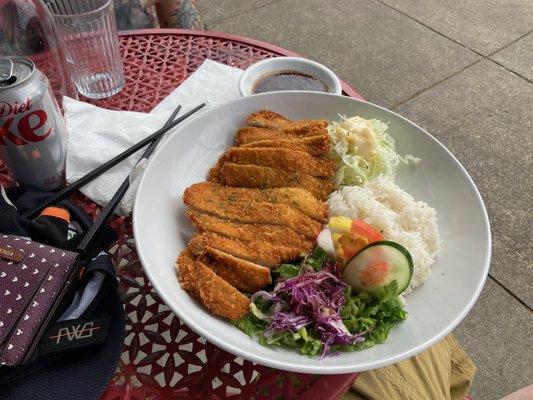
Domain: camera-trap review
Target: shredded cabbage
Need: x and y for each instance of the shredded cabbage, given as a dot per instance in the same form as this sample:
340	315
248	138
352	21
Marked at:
363	150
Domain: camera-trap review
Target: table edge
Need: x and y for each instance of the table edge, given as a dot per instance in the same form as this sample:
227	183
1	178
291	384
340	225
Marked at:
347	89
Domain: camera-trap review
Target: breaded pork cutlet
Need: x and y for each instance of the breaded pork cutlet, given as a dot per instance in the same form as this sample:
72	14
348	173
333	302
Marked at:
251	134
297	198
258	252
315	145
274	234
253	176
187	273
262	208
270	119
289	160
199	198
219	296
265	117
243	275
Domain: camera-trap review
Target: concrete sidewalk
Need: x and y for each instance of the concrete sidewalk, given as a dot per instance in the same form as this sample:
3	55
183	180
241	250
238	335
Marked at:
462	69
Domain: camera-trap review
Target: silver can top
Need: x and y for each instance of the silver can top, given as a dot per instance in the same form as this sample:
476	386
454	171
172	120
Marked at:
14	70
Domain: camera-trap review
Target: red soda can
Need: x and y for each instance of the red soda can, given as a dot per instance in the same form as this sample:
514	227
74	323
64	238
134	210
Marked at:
33	135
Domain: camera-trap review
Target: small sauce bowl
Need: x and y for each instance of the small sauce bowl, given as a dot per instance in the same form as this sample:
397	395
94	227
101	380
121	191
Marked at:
273	66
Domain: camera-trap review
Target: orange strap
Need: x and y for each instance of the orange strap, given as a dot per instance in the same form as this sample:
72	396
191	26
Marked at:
57	212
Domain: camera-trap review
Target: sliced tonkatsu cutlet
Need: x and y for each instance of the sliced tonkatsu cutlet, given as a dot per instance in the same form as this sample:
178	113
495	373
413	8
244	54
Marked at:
289	160
315	145
244	275
274	234
296	198
214	172
252	134
259	252
253	176
200	198
262	213
270	119
186	266
265	117
219	296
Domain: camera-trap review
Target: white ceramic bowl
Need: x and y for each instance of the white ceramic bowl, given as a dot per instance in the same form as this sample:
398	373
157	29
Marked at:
272	65
435	308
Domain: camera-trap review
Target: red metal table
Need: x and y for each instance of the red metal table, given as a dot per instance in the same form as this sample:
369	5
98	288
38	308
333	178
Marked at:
162	358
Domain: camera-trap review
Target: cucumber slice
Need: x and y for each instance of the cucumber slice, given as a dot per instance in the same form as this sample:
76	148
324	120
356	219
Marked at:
377	265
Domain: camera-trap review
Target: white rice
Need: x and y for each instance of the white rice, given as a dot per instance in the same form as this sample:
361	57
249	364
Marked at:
388	208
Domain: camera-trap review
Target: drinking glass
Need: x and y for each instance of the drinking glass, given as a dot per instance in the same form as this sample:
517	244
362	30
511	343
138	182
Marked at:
88	35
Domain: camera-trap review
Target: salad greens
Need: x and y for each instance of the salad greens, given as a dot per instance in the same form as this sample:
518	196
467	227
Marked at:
311	309
362	150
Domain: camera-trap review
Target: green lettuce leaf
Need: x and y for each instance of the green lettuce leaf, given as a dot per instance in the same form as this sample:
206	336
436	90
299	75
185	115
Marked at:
302	340
376	317
285	271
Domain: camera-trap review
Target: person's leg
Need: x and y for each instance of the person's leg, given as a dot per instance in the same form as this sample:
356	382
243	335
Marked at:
522	394
134	14
178	14
462	368
444	371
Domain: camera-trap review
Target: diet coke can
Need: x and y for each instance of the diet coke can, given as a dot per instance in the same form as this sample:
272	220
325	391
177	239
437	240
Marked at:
33	135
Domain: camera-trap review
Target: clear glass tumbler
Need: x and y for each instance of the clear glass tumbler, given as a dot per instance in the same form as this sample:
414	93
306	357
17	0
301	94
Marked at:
88	35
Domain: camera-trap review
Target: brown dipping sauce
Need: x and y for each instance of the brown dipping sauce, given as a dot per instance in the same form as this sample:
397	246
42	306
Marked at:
288	80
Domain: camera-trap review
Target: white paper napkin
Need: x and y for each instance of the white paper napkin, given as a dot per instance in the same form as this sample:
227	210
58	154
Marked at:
97	135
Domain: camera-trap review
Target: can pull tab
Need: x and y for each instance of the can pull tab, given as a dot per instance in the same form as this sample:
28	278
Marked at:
6	69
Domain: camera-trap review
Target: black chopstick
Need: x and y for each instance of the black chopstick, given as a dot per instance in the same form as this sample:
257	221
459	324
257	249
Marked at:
68	190
106	213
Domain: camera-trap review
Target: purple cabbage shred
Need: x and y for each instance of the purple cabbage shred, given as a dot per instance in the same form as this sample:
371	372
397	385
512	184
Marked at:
311	299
